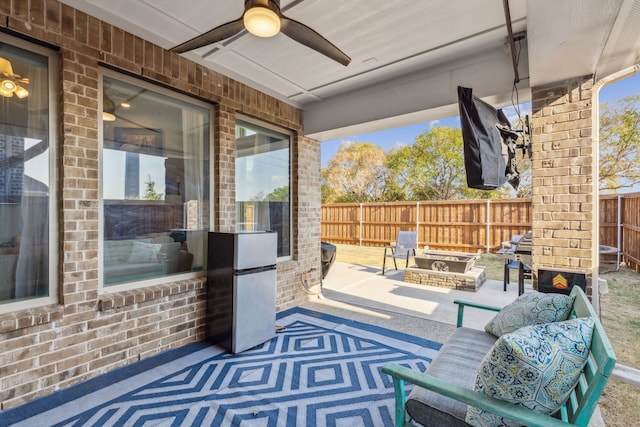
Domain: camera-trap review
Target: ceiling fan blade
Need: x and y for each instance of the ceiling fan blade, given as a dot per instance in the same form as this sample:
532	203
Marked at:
222	32
310	38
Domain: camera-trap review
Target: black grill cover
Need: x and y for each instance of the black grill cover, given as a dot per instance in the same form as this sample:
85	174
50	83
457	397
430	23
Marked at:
328	256
489	143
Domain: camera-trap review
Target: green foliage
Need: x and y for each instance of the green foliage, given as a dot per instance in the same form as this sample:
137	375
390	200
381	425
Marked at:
524	168
280	194
620	145
354	174
329	194
431	169
150	190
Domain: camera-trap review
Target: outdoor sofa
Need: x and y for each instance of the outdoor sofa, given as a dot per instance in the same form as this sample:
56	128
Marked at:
443	394
153	255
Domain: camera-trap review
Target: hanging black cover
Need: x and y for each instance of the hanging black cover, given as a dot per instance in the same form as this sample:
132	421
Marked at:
489	143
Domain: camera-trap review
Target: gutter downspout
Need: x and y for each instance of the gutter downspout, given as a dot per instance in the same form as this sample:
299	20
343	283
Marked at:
595	288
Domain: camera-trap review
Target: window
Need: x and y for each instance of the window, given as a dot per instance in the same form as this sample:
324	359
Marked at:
263	182
155	182
27	217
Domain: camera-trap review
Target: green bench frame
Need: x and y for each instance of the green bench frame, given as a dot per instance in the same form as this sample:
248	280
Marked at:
578	409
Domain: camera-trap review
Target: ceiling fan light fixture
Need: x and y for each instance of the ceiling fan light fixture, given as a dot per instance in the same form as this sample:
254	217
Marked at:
263	18
5	67
9	85
261	21
108	109
6	93
21	92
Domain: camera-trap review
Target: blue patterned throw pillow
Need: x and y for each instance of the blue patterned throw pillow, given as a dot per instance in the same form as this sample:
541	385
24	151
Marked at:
532	308
535	366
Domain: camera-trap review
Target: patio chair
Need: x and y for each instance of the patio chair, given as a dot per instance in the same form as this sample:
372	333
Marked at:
524	273
404	247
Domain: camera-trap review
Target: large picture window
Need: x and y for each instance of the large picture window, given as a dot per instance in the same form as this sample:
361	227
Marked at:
155	182
27	262
263	182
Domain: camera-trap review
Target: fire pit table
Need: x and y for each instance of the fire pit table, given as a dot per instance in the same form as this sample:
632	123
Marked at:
454	270
455	262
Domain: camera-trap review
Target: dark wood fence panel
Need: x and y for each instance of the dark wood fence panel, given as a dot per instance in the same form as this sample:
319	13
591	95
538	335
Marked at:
609	220
470	225
631	230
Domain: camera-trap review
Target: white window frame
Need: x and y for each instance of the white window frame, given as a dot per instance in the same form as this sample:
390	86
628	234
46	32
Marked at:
102	289
54	78
291	134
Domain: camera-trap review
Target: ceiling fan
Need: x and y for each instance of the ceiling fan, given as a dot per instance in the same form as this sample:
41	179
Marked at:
264	19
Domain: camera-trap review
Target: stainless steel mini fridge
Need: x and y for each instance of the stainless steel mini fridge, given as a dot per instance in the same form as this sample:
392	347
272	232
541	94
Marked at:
241	289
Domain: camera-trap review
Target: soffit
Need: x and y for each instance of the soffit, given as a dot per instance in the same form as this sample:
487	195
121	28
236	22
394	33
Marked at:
408	56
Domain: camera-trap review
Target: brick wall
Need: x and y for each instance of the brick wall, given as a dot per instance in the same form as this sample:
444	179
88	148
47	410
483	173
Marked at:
306	226
89	333
563	185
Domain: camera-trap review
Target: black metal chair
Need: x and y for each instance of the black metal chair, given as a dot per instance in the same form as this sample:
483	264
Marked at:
524	272
405	246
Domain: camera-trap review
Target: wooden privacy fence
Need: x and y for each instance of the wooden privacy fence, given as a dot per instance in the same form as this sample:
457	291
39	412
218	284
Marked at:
620	226
469	225
463	225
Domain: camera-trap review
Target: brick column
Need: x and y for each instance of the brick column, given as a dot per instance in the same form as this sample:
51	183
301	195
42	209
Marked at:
564	162
225	178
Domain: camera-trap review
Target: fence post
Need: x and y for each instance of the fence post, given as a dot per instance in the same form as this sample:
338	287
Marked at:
417	222
360	237
619	230
488	225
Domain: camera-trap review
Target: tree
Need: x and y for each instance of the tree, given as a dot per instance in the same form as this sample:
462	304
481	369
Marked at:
524	168
280	194
150	190
620	145
328	193
354	174
431	169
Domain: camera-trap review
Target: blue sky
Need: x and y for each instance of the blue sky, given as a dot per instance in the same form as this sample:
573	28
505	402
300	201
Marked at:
405	135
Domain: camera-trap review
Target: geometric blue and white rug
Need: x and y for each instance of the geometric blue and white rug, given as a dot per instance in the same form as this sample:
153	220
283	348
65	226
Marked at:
321	371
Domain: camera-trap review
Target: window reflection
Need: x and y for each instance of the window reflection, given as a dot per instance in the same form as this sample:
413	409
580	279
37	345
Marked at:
24	175
154	184
263	182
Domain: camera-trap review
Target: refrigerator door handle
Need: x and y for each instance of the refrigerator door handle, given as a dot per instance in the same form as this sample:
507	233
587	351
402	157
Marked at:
254	270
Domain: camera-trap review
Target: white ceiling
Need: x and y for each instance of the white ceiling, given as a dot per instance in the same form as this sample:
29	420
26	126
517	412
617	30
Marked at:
408	56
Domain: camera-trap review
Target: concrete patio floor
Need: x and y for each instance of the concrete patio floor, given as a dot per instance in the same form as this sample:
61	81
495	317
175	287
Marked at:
361	293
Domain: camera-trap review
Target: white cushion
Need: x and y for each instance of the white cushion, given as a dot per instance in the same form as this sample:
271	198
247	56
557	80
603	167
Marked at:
142	253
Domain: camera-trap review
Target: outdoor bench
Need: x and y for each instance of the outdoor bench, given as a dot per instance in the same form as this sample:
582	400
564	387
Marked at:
443	392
